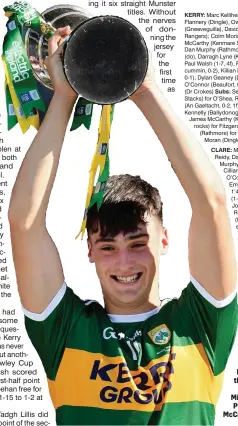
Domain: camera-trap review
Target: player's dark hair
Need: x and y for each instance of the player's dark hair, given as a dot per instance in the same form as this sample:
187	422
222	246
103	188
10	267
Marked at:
126	202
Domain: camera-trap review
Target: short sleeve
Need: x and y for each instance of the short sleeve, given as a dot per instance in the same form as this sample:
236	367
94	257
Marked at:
215	322
48	331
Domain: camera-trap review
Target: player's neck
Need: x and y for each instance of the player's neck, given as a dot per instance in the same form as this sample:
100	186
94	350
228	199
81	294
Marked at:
130	309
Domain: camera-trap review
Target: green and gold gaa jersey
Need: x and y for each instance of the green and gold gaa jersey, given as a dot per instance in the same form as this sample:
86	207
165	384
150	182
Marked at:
164	367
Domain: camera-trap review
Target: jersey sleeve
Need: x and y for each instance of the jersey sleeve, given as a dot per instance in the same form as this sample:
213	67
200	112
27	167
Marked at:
214	322
49	330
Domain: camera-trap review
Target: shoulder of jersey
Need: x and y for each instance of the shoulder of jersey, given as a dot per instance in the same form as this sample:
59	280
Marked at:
168	305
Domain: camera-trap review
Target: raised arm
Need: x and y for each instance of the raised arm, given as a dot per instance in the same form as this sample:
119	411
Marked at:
211	251
37	263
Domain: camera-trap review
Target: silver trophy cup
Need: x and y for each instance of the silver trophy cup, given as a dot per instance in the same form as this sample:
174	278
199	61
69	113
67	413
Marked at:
105	58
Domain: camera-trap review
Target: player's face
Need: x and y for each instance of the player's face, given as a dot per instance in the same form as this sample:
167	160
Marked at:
128	266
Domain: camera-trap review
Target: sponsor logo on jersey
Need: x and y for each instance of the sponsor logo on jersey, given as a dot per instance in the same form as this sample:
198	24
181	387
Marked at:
160	335
144	386
110	333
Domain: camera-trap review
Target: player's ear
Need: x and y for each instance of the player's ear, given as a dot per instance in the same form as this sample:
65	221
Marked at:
164	241
90	254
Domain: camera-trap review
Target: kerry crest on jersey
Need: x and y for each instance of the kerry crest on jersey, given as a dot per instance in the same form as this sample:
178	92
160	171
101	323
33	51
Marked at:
160	335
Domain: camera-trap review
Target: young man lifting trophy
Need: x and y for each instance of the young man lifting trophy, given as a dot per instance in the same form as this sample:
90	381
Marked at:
124	363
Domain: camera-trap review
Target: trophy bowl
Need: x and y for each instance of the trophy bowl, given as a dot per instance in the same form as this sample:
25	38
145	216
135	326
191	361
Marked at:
105	59
37	44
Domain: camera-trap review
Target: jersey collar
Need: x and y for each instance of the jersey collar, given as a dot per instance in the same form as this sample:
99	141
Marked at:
133	318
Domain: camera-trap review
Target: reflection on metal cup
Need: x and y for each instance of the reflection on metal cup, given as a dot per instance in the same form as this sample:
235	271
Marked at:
37	44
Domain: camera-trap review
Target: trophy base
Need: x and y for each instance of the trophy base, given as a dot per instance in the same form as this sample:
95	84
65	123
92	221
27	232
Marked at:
105	59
